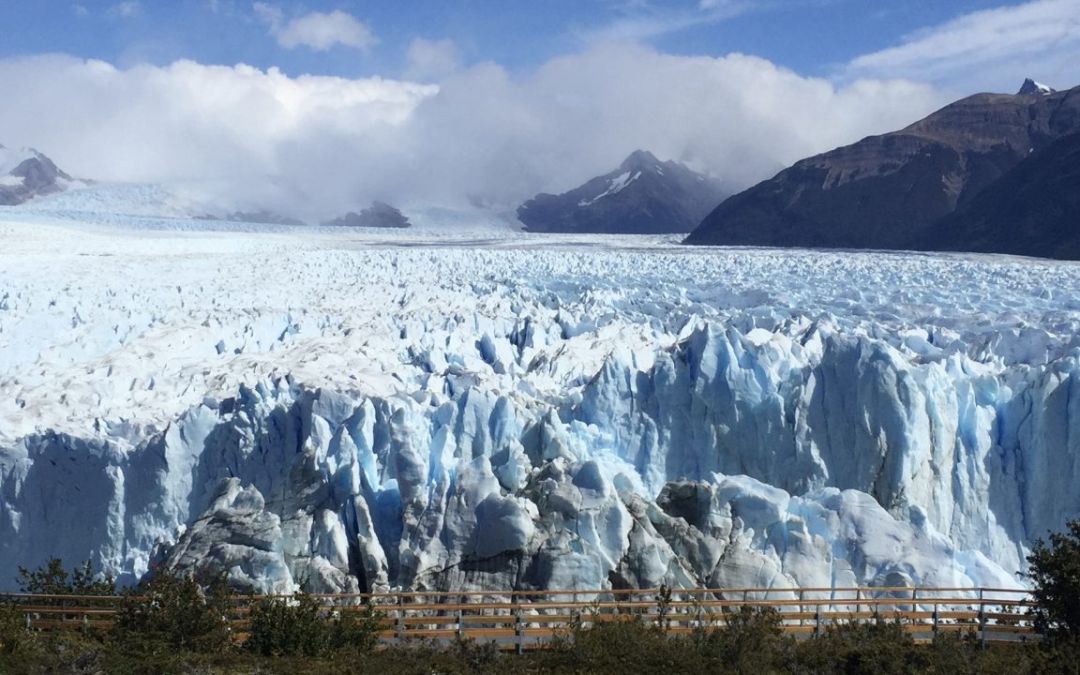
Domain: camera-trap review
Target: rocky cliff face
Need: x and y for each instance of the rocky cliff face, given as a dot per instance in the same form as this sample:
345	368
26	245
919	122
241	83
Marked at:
889	191
1034	209
642	196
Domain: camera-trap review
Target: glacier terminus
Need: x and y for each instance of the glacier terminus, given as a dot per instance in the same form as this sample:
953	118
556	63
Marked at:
350	410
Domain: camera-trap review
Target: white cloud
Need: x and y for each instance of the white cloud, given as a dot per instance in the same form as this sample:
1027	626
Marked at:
643	22
990	49
431	59
80	10
126	9
315	146
319	31
269	14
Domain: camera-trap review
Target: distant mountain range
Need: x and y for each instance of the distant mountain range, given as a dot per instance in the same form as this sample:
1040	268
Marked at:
941	183
26	173
378	214
642	196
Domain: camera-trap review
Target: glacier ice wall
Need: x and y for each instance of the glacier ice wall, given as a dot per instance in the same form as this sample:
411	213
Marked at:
532	414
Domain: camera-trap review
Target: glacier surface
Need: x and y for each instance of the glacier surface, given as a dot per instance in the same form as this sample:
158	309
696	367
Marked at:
438	410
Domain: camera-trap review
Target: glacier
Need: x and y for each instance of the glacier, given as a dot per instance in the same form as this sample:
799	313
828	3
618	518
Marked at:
455	409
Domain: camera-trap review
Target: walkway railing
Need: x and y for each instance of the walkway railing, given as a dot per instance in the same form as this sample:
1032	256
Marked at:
524	619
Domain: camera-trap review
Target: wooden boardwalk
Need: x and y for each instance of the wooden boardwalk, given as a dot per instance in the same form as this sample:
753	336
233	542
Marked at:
527	619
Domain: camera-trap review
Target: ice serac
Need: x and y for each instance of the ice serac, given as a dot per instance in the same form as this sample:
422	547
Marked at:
812	460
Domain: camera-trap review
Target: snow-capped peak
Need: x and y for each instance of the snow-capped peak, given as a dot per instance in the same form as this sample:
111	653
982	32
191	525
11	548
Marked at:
11	158
26	173
1031	87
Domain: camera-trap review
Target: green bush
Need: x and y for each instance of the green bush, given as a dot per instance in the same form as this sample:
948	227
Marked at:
1055	574
14	637
880	647
175	613
752	639
288	627
301	626
628	645
355	632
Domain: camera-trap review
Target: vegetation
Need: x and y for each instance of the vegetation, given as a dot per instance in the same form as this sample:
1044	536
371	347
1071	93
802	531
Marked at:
172	613
178	624
53	579
302	626
1055	575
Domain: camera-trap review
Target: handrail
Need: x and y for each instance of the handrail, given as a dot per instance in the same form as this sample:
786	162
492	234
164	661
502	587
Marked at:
526	619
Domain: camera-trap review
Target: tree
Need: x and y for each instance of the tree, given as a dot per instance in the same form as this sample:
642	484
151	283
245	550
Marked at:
53	579
1055	574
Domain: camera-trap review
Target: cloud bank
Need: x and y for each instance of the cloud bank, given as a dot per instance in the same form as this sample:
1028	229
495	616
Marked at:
316	146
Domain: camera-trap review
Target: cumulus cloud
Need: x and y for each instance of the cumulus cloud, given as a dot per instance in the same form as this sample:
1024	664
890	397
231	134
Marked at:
319	31
990	49
431	59
315	146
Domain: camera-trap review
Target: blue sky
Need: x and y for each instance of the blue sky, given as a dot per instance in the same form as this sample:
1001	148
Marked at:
812	37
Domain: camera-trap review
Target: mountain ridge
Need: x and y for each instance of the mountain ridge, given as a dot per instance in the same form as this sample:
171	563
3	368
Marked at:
888	191
642	196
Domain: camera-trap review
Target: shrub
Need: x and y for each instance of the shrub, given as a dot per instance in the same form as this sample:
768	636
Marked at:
14	637
301	626
354	631
288	627
752	639
172	612
1055	574
614	646
876	647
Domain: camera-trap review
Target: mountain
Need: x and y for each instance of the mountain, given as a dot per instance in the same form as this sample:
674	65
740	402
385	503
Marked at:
376	215
263	217
1034	209
888	191
26	173
1031	87
642	196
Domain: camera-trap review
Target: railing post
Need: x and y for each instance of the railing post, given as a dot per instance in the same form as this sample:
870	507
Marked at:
460	626
399	622
801	596
936	608
519	633
982	619
817	620
858	605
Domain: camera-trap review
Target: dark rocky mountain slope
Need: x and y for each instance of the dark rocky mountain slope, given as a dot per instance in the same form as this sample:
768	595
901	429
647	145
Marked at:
1034	209
642	196
376	215
26	173
889	191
